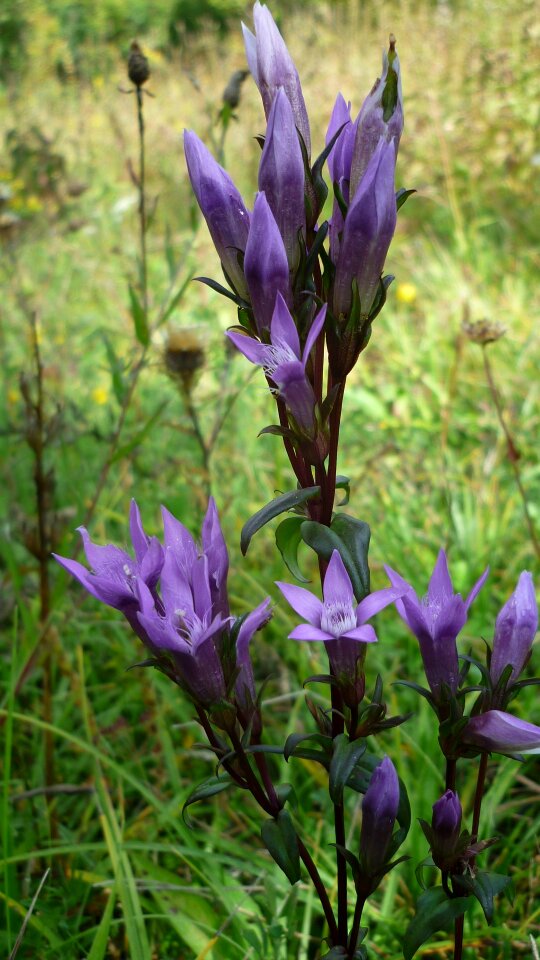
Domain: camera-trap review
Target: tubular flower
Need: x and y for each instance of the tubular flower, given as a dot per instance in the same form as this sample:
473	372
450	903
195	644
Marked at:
281	176
499	732
339	165
446	824
115	574
222	207
515	630
284	363
379	811
381	116
265	265
271	66
436	621
368	230
338	621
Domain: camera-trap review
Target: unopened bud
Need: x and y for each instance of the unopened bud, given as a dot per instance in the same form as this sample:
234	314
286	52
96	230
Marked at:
138	69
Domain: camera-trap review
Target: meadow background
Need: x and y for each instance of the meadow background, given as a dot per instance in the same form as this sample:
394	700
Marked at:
428	461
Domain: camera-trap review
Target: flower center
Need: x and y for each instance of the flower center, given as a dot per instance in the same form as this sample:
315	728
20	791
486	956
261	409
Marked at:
277	354
338	617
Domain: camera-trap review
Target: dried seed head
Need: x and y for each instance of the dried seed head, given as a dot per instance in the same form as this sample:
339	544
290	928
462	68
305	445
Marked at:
184	356
483	331
231	93
138	69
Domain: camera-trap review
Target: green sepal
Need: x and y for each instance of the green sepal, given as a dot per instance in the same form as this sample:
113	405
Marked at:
286	501
208	788
418	689
340	199
402	196
219	288
345	756
281	841
343	483
434	911
390	94
286	794
380	298
288	539
276	430
419	870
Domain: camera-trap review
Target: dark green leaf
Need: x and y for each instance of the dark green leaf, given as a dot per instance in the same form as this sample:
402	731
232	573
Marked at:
140	319
434	911
343	483
208	788
287	501
279	838
288	539
402	196
294	739
344	759
116	368
355	535
324	540
219	288
276	430
485	886
419	871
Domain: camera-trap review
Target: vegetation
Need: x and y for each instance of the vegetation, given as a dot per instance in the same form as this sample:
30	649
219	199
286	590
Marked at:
98	761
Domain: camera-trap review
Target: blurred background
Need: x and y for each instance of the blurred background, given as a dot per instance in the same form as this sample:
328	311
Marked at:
100	404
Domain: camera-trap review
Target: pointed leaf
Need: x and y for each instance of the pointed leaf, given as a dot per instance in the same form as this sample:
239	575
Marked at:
279	838
355	534
344	759
219	288
402	196
434	911
140	319
288	539
343	483
287	501
294	739
485	886
208	788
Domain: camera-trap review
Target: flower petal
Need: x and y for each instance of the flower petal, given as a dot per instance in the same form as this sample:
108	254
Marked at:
310	633
377	601
303	602
314	331
283	328
252	349
364	634
440	585
337	583
476	589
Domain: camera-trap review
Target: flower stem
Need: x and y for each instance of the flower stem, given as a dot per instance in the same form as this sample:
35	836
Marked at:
321	891
355	929
458	937
513	454
479	793
451	767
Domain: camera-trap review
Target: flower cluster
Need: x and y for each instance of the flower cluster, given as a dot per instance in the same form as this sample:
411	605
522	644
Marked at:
270	256
174	596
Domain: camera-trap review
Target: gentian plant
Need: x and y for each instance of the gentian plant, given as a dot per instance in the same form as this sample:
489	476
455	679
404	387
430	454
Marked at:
307	292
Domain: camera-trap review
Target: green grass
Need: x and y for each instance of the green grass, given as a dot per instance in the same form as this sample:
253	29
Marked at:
421	444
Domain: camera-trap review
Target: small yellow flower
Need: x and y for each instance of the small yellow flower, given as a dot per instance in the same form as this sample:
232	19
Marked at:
12	396
33	203
99	82
406	292
18	184
100	396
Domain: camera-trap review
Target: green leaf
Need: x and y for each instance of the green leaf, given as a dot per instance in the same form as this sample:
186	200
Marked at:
100	943
324	540
343	483
127	448
279	838
288	539
485	886
208	788
140	318
287	501
402	196
355	534
294	739
344	759
434	911
175	300
219	288
116	368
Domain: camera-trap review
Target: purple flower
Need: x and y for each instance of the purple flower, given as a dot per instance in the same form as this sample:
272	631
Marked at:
515	629
339	165
436	621
222	208
115	574
367	233
246	694
265	264
215	549
381	116
338	621
272	67
446	823
500	732
379	811
283	362
281	176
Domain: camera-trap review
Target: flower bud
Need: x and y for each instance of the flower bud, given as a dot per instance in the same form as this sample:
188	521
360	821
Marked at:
281	176
272	67
381	116
515	629
339	165
379	811
446	825
265	264
499	732
222	207
367	233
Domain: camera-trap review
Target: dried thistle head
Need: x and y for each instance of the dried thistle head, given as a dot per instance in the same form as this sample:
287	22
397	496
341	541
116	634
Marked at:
483	331
138	69
184	355
231	93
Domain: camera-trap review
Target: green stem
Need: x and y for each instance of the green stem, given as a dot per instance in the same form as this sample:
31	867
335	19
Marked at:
355	929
